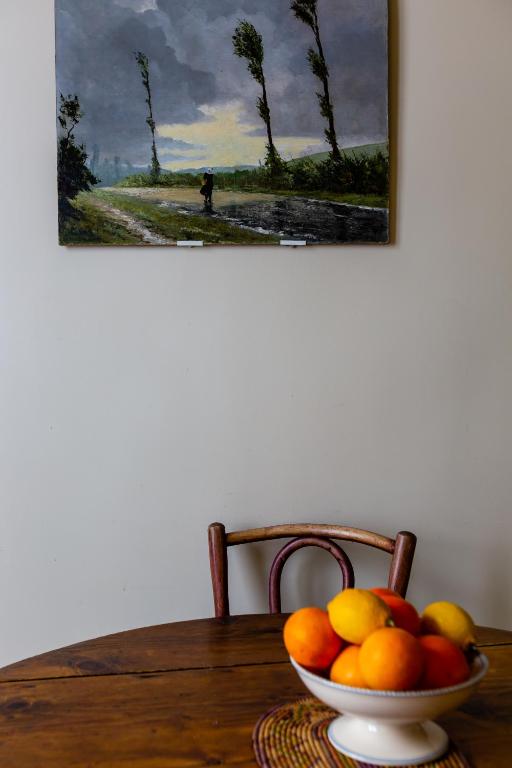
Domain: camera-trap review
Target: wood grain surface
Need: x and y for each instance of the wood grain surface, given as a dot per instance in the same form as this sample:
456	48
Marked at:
189	694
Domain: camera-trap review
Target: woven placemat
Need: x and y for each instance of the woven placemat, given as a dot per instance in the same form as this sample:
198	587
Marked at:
295	736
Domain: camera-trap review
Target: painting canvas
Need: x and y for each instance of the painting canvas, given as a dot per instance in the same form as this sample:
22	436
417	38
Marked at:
247	122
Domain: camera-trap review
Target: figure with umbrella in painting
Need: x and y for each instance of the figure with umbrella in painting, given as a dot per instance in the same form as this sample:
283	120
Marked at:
207	188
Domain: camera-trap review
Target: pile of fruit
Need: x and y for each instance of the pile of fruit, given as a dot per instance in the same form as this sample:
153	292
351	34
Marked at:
376	639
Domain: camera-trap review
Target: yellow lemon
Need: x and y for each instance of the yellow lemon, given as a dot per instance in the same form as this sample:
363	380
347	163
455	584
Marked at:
356	613
450	621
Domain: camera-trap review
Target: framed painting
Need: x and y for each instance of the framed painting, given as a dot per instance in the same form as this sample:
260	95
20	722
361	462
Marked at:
240	122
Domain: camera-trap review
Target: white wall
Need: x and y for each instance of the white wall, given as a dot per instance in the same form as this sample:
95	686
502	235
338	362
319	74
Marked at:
146	393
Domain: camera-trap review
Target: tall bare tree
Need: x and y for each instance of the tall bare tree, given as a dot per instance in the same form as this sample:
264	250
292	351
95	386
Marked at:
143	62
248	44
307	12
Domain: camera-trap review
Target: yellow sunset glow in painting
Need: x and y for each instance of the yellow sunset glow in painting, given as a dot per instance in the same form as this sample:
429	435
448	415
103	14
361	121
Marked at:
223	139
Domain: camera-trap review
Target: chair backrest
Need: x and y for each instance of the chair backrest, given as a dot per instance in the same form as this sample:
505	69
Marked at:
401	549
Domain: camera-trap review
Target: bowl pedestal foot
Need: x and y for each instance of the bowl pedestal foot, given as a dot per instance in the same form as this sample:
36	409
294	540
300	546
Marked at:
383	743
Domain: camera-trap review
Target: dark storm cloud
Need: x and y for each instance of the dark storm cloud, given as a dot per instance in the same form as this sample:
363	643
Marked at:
96	41
192	63
354	34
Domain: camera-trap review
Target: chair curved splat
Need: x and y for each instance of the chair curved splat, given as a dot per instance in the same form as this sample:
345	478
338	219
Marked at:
274	595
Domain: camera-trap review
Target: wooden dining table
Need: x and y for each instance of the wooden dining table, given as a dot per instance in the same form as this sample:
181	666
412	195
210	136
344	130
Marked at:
189	694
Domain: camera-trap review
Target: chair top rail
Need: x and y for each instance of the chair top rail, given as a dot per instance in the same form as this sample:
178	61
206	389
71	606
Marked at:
315	529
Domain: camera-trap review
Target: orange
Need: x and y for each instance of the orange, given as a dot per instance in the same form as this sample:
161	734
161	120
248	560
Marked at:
445	664
381	591
310	639
346	670
404	614
391	659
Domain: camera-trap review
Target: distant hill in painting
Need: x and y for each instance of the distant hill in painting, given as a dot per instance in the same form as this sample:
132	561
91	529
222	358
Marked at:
369	150
218	169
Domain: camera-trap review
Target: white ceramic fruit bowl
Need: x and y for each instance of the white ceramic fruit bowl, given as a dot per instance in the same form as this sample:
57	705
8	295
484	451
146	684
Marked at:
390	727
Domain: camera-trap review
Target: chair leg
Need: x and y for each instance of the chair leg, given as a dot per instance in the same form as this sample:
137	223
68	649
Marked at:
219	568
401	564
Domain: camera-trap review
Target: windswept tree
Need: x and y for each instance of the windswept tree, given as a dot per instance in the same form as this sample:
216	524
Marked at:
73	174
306	11
143	62
248	44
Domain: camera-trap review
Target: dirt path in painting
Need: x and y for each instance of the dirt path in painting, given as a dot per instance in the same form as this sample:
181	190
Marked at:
294	217
190	198
130	223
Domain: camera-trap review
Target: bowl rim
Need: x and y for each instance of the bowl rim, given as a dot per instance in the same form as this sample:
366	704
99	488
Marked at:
475	678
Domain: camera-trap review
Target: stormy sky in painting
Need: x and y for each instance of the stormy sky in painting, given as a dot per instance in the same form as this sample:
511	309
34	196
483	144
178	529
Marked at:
204	97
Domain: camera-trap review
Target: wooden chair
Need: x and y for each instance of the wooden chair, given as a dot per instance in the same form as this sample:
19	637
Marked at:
400	548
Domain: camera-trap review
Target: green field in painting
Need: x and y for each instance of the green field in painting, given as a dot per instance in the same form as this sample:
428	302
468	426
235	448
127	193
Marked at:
348	198
370	150
139	212
360	180
235	182
92	226
104	217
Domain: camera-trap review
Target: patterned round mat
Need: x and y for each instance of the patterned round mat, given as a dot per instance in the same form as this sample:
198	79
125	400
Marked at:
295	736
